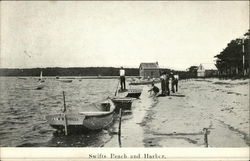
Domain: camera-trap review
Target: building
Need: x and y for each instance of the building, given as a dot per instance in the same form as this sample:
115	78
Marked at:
206	71
149	70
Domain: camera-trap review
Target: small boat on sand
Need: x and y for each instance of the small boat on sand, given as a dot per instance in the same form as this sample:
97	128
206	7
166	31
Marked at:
84	121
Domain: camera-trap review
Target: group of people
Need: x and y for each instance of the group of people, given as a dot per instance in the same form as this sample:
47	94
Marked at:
166	81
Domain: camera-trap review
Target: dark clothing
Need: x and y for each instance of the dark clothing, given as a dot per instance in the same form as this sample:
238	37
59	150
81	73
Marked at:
163	87
167	87
176	85
123	83
155	89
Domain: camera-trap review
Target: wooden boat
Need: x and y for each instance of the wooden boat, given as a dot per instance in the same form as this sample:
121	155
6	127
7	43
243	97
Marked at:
144	82
40	86
21	78
134	93
84	121
125	103
65	80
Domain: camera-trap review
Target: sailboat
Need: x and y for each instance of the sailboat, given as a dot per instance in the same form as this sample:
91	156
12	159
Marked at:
40	80
41	77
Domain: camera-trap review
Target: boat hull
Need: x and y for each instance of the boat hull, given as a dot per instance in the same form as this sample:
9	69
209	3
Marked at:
134	95
86	124
40	86
84	121
122	103
144	82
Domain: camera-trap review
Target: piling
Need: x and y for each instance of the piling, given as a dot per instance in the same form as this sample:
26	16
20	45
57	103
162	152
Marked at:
205	130
64	116
120	123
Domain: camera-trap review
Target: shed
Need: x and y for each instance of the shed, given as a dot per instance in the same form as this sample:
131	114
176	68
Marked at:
150	70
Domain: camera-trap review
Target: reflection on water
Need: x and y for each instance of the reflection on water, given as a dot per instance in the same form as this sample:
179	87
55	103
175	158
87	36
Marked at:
23	110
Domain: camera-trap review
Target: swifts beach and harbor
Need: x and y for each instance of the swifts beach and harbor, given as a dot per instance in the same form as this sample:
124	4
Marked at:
125	74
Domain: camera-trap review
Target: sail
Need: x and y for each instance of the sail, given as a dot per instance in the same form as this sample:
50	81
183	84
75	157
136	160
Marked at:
41	75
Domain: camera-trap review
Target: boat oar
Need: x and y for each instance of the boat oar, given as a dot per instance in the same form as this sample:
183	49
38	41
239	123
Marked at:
117	87
64	104
64	115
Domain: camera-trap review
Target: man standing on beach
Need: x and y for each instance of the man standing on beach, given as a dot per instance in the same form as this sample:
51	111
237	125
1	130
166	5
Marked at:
122	79
167	85
163	83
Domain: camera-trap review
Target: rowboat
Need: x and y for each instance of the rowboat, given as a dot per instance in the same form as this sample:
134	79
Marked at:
144	82
65	80
84	121
124	103
134	93
40	86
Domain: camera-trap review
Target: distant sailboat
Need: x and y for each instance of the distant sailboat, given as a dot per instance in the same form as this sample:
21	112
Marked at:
41	77
40	85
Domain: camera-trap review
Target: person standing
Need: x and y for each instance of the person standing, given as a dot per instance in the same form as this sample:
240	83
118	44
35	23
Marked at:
167	85
163	84
172	82
176	78
122	79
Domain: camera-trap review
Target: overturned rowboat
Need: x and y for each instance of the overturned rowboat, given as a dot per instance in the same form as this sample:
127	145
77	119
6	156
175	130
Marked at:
84	121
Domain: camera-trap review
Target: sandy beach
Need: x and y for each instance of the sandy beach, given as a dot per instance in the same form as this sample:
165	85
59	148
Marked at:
180	120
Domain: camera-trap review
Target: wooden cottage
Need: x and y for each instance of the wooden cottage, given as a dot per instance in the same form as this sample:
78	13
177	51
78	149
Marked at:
149	70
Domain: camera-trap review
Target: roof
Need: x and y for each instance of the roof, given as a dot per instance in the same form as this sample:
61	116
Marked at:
149	65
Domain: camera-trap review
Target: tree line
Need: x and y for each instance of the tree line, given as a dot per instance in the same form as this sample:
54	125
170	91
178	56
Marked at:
234	59
57	71
84	71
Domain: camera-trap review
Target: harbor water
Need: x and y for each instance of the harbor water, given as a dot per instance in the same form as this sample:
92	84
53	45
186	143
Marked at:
23	110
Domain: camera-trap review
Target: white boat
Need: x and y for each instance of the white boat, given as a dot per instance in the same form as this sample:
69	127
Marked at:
41	77
40	86
84	121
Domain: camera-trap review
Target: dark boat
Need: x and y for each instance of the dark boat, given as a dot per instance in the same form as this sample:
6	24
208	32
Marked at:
134	93
124	103
84	121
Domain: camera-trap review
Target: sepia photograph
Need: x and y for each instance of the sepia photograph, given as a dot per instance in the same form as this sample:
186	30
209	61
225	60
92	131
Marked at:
124	74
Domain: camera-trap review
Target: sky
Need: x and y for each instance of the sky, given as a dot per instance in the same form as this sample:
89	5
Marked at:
176	34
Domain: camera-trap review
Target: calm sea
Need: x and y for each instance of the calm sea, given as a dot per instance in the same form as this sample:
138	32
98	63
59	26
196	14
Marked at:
23	110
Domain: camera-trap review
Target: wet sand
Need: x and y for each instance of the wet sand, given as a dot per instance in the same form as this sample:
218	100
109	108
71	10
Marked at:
178	120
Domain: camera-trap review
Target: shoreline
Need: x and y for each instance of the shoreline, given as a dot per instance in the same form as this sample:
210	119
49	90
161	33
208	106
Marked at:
179	120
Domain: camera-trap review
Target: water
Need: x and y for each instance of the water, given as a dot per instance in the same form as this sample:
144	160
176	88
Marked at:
23	110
